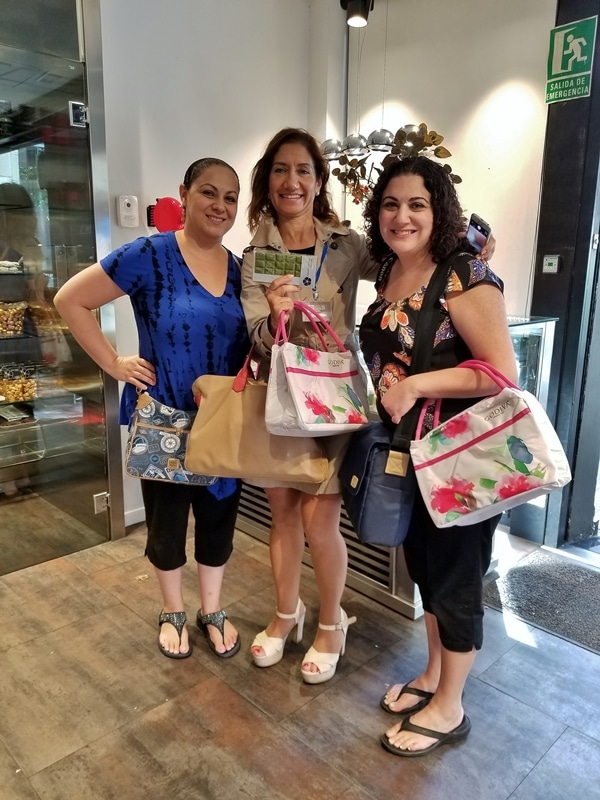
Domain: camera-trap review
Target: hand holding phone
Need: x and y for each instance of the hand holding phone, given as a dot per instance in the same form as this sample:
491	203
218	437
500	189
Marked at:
478	232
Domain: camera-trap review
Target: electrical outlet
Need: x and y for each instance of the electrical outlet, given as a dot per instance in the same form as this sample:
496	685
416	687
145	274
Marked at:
100	502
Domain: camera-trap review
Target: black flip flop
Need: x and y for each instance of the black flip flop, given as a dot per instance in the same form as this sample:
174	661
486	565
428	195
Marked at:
218	620
452	737
405	712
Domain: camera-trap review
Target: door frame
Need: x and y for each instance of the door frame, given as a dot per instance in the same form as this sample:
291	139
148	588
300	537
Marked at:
90	37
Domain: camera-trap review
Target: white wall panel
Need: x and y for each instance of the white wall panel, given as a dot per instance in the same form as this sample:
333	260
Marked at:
475	71
192	78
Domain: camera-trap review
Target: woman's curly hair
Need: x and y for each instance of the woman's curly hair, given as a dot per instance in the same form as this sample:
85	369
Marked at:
448	220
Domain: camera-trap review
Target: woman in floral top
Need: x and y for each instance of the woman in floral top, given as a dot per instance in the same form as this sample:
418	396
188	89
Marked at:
414	221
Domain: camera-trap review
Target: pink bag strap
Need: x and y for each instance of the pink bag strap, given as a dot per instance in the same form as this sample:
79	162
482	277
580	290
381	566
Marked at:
488	369
281	332
436	416
314	317
499	379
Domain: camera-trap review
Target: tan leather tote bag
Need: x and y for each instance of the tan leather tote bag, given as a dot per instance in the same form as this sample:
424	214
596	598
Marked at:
229	437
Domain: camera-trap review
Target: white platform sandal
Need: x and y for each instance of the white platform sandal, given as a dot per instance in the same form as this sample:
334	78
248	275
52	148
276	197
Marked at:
272	646
326	662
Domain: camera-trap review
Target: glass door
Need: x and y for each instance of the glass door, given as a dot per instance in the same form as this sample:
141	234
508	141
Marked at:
583	520
53	474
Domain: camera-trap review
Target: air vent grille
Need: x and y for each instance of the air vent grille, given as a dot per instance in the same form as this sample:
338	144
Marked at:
374	563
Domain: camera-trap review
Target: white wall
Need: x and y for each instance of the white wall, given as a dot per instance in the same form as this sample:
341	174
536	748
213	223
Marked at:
474	70
193	78
190	78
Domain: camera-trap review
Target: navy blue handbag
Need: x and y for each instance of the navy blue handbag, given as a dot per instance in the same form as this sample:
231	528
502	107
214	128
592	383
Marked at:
377	476
379	503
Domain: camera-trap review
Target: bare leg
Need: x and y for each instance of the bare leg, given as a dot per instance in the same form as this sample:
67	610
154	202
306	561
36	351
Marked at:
444	712
321	516
170	582
286	548
210	580
429	679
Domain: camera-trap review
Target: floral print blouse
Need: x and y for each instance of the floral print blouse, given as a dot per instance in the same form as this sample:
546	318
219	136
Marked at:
387	332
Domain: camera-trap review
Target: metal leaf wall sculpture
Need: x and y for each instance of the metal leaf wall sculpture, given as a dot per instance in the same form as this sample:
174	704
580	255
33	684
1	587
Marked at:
358	176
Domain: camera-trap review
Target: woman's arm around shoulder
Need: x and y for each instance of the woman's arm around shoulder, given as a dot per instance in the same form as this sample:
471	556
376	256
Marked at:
367	268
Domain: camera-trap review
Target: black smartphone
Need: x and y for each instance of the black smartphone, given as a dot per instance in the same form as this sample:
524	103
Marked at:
478	232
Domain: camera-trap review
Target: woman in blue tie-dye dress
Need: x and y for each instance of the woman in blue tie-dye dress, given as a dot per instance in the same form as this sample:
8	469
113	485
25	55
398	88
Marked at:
184	288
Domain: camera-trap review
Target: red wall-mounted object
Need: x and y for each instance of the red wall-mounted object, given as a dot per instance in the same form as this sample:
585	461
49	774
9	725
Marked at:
165	215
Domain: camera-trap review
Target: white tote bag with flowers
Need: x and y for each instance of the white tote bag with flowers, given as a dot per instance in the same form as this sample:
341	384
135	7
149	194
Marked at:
497	454
314	392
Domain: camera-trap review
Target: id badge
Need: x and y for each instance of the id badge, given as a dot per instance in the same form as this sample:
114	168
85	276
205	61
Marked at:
322	307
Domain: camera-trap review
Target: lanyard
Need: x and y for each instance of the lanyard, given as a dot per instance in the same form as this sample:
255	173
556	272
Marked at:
318	273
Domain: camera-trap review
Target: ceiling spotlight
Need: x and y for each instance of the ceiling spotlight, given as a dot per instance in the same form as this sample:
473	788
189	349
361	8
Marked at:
357	11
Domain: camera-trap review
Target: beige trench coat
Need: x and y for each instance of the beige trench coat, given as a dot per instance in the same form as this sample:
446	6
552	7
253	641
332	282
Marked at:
346	262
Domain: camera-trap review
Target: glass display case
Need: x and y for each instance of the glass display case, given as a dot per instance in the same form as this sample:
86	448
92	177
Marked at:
380	572
52	425
533	340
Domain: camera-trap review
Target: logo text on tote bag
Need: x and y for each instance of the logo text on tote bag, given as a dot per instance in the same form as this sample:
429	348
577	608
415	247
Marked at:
499	410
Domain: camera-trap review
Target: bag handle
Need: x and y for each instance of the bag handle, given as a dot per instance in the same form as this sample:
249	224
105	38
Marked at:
281	332
282	335
436	416
314	317
240	380
473	363
144	398
488	369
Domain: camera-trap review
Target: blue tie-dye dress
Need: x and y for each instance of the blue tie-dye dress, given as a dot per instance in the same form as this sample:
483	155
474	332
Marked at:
183	330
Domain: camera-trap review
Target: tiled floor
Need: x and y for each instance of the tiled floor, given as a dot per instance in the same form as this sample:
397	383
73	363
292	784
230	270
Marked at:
89	708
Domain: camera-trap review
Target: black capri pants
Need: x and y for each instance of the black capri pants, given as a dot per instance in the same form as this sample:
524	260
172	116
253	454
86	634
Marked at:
448	565
167	508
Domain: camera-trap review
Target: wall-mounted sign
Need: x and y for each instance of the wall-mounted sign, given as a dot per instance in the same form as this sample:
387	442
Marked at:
570	60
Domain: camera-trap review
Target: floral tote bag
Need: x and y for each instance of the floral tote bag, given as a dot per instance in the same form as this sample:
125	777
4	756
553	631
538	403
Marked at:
499	453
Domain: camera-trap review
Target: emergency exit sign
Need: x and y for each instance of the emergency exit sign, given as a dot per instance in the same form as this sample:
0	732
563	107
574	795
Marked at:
570	60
